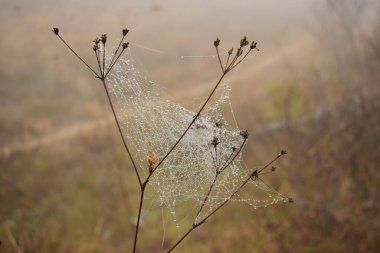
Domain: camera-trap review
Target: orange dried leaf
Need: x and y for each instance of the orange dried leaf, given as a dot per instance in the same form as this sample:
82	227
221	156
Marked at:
152	158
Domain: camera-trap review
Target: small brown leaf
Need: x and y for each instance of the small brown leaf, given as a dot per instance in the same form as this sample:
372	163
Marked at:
152	159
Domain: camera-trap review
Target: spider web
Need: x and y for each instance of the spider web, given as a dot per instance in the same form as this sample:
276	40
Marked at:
151	122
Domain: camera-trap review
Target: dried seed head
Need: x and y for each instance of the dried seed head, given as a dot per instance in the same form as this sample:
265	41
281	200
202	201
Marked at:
234	149
218	124
273	168
244	41
96	41
125	45
216	42
56	30
215	141
125	31
254	45
244	134
290	200
239	52
283	152
95	47
230	51
103	38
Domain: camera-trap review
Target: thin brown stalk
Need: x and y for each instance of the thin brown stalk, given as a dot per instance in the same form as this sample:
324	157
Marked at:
207	195
115	53
138	219
232	67
80	58
220	61
189	126
233	159
218	171
228	59
104	58
121	133
110	68
98	60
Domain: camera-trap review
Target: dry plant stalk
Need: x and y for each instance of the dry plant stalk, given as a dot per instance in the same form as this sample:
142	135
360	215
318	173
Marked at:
154	162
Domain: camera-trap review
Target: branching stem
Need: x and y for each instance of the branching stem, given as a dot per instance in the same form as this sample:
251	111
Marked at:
195	225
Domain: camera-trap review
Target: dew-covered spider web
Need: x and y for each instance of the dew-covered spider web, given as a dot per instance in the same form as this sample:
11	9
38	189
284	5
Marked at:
151	122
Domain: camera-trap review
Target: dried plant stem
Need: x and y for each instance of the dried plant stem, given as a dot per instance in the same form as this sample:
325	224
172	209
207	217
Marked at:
207	195
237	63
80	58
115	53
218	172
220	61
112	64
202	221
98	60
138	219
121	133
228	162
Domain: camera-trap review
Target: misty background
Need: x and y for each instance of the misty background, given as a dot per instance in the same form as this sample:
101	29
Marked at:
66	184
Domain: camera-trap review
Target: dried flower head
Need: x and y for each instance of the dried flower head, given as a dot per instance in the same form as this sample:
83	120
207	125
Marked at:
215	141
254	45
239	52
103	38
125	31
231	51
216	42
125	45
244	133
273	168
95	47
56	30
290	200
283	152
244	41
96	41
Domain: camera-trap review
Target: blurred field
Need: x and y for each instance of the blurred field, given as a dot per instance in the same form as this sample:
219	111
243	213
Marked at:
66	184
